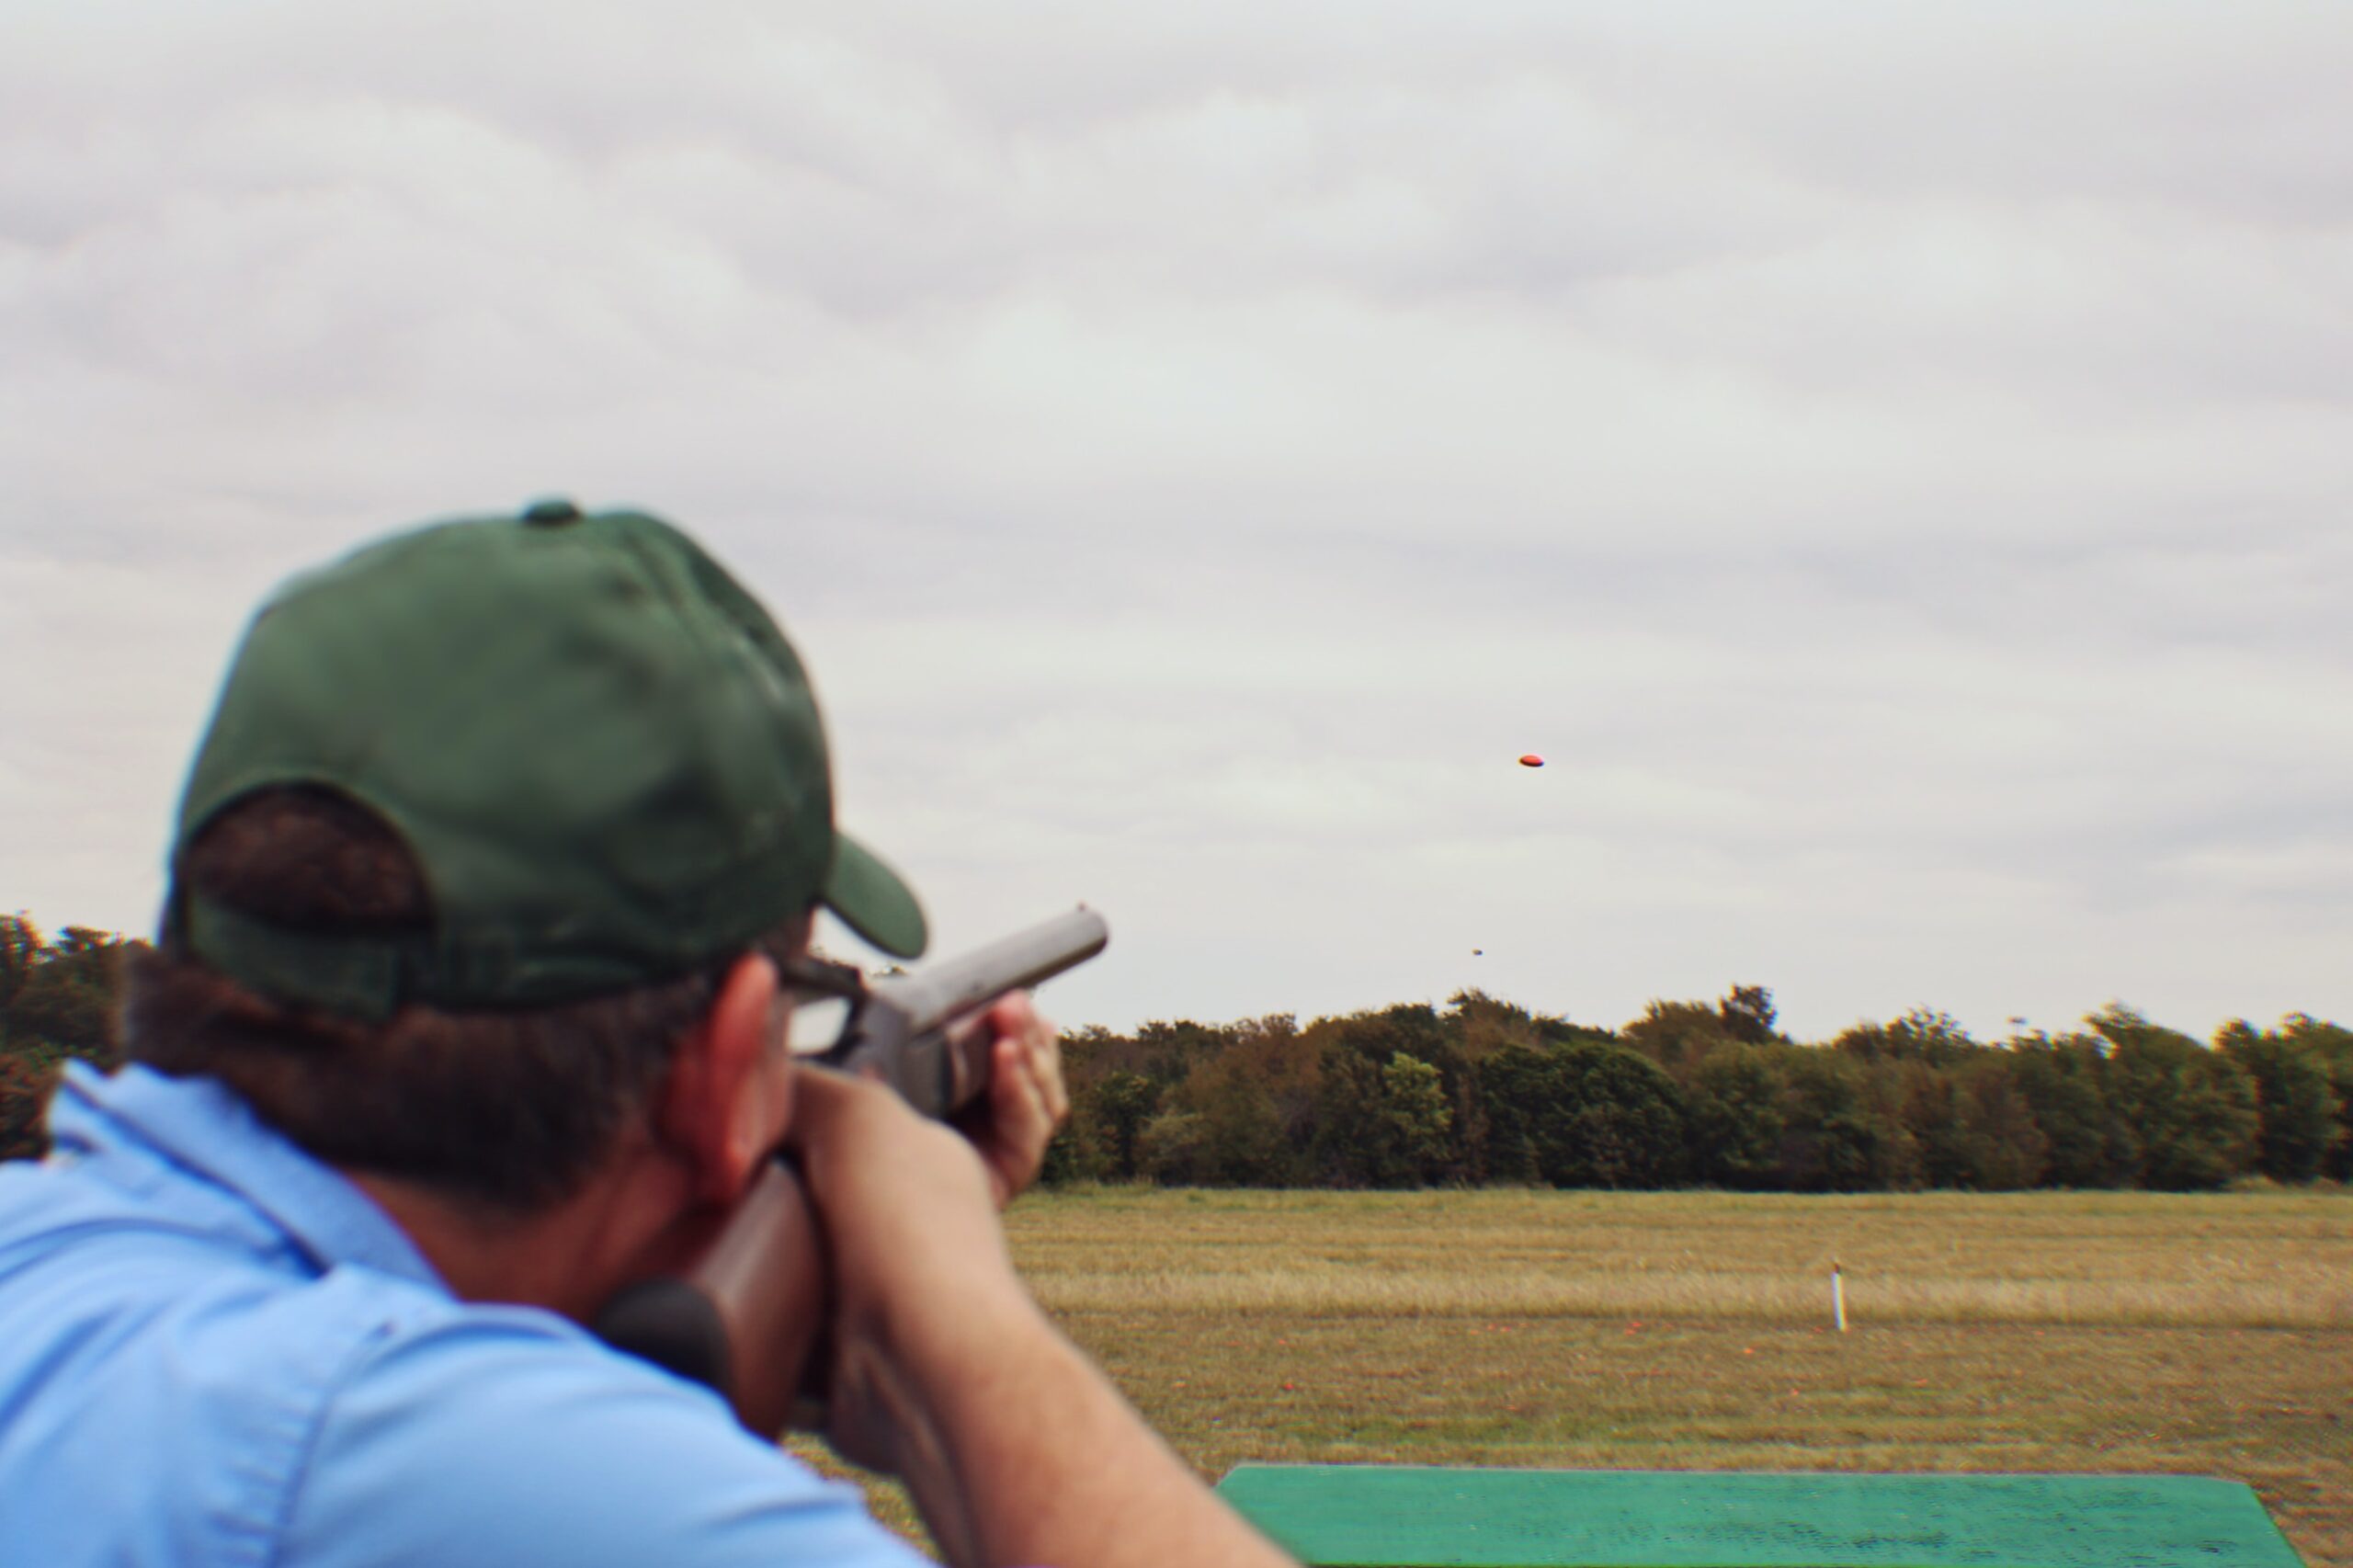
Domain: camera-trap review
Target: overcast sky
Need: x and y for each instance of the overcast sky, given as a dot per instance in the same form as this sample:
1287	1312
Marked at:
1895	461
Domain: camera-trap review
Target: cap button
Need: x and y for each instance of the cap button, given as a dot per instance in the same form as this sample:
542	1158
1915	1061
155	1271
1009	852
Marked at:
551	512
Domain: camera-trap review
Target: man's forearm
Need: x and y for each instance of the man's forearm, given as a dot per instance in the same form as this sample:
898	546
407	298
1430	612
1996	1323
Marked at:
1019	1452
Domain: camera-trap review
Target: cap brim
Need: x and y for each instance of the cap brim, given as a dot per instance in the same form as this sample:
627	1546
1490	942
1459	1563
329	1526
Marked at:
873	901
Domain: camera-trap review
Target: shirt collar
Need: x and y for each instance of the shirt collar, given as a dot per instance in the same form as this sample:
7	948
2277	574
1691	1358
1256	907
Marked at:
201	1126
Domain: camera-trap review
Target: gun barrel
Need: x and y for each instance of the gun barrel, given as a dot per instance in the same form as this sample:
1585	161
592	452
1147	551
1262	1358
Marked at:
946	991
916	1031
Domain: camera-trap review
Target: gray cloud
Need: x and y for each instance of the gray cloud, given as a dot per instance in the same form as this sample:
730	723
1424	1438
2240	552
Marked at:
1895	462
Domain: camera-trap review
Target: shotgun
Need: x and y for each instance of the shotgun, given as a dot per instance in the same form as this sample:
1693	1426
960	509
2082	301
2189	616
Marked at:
744	1318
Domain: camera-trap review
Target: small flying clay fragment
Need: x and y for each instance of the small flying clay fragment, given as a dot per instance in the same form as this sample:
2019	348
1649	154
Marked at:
1531	760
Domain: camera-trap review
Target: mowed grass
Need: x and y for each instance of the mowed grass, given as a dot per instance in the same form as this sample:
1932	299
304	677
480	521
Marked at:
2114	1332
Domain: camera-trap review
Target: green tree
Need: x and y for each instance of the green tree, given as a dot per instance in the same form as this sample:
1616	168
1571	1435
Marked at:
21	947
1584	1115
1516	1088
1748	1014
1479	1026
2064	1081
25	1089
1166	1052
2297	1104
58	999
1629	1126
1482	1024
1898	1163
1412	1123
1920	1035
1354	1135
1829	1141
2333	1043
1736	1120
1241	1131
1678	1036
1118	1108
1172	1149
1341	1145
2192	1111
1072	1154
1930	1109
2003	1145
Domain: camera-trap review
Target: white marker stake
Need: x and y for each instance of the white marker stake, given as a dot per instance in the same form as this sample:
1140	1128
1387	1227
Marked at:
1837	1296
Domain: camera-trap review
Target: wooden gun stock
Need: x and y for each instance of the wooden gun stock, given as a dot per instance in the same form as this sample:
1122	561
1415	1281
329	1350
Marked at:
746	1317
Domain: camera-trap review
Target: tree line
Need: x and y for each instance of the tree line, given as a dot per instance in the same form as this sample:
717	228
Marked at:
57	1000
1484	1092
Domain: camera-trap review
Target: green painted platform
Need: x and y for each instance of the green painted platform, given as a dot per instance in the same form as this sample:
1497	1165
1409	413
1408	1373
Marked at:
1410	1517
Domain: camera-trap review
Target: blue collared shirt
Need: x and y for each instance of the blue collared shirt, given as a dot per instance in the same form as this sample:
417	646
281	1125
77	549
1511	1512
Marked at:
215	1350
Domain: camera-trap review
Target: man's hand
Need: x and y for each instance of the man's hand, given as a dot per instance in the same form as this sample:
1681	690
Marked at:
1027	1099
916	1253
942	1370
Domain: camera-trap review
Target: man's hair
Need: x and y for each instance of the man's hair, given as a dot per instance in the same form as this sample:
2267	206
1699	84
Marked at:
511	1109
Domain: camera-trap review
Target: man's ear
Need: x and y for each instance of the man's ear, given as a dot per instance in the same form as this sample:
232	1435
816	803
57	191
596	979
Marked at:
726	1098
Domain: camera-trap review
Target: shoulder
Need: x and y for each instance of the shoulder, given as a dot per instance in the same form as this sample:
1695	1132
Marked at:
501	1435
162	1366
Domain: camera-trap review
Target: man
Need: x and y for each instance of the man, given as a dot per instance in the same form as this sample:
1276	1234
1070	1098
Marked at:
488	888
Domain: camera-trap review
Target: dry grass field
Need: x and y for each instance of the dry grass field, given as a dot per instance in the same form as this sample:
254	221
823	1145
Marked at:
2118	1332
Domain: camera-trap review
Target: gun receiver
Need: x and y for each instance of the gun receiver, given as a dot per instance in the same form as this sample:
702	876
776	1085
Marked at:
744	1318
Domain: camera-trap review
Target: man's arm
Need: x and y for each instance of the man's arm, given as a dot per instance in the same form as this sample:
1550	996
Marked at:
1016	1449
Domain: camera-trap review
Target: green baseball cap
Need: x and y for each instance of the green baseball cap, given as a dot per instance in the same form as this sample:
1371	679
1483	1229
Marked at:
601	750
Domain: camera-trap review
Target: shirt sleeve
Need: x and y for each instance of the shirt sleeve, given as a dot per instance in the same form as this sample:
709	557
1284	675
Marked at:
505	1439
